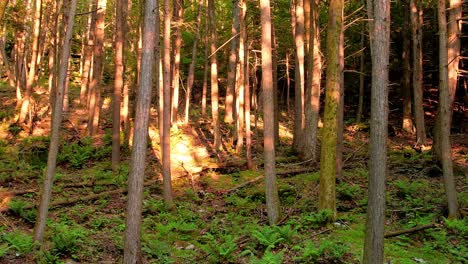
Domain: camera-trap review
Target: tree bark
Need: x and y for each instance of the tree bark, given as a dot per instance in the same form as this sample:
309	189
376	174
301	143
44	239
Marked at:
191	73
248	136
299	112
361	76
120	36
418	89
445	113
233	61
328	169
132	249
179	20
214	76
166	126
407	125
271	190
88	55
240	78
98	67
46	192
206	68
3	5
379	29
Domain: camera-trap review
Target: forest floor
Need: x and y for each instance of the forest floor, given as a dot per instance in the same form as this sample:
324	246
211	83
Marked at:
220	216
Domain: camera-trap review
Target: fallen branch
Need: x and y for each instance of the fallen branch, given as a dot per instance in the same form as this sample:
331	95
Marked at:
242	185
411	230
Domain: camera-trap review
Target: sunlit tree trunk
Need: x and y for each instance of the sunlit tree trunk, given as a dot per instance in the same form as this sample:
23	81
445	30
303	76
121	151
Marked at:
248	136
233	61
191	74
214	76
46	191
299	112
445	113
379	32
120	36
313	87
132	248
25	106
407	125
328	170
166	125
418	89
206	67
98	67
88	55
3	5
179	20
274	66
272	198
240	78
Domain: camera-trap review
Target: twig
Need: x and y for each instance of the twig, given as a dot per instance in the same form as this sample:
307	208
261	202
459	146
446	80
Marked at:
242	185
411	230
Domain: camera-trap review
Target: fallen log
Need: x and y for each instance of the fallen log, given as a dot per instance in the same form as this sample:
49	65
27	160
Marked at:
410	230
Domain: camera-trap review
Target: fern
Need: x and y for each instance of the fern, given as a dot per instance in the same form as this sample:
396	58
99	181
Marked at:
268	236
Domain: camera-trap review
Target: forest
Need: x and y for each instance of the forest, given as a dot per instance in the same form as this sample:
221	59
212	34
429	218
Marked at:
233	131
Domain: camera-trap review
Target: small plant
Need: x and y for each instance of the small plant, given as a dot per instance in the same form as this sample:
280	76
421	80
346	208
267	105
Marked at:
407	189
458	226
348	192
18	241
78	153
155	248
328	251
316	220
268	258
267	236
67	239
220	247
18	208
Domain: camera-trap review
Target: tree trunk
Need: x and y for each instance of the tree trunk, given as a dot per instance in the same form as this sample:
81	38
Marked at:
98	67
3	5
88	55
271	195
418	89
120	36
233	59
206	68
407	125
299	116
191	74
179	20
361	76
313	87
132	249
327	197
46	191
445	114
214	76
248	136
166	125
240	77
25	106
379	29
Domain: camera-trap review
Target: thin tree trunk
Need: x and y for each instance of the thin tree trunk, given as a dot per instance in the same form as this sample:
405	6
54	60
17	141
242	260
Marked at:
88	54
418	90
120	17
25	106
179	19
328	170
288	84
233	62
206	68
191	74
275	81
407	125
445	114
248	136
214	77
379	29
240	77
46	192
361	76
132	248
98	66
166	126
3	5
299	111
272	198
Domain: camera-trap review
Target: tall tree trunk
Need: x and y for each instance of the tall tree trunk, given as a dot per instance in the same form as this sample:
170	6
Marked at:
379	32
407	125
214	76
179	20
191	74
88	55
418	89
248	136
25	106
240	77
288	83
233	59
272	198
445	113
132	248
166	126
120	36
361	76
299	116
313	87
3	5
328	170
274	55
206	67
98	67
46	192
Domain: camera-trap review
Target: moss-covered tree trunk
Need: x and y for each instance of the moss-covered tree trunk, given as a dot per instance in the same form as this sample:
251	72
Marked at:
327	197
